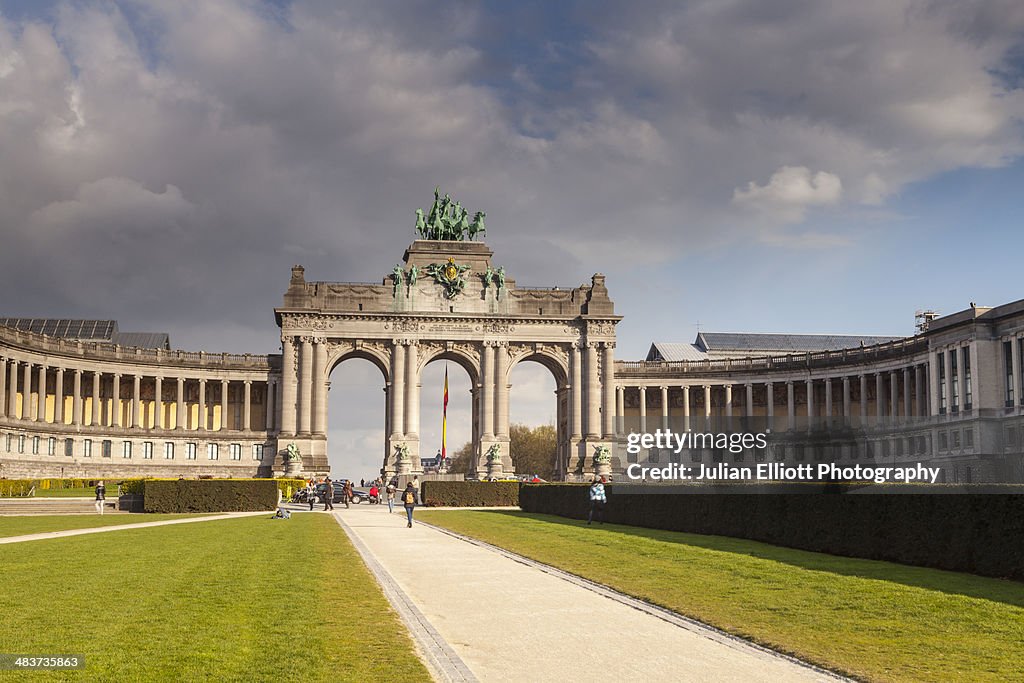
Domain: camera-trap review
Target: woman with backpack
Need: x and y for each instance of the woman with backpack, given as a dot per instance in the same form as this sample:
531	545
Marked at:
390	492
409	499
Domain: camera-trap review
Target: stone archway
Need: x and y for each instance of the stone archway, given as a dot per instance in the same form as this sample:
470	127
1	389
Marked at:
448	300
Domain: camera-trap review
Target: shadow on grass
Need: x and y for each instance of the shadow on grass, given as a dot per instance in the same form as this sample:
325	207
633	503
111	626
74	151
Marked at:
940	580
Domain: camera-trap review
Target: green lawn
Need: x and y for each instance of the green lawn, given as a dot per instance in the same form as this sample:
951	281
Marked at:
873	620
37	524
244	599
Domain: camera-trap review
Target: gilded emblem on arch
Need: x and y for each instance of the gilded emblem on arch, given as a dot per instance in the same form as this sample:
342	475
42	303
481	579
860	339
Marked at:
449	275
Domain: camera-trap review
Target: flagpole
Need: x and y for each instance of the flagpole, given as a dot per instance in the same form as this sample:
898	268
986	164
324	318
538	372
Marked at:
444	419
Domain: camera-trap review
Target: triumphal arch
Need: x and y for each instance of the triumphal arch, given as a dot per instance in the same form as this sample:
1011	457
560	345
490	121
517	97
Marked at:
450	300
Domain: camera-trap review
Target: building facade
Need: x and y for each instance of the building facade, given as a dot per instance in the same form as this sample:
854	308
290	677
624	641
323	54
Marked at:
94	407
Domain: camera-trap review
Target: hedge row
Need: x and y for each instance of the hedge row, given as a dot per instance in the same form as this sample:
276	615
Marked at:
470	493
980	533
209	495
21	487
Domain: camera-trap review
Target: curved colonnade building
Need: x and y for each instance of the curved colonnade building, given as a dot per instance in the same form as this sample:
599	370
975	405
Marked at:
80	399
94	408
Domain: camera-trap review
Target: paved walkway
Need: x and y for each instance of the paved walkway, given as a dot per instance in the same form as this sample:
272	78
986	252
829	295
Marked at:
120	527
505	618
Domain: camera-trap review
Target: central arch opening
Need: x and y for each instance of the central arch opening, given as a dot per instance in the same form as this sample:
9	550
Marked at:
458	428
356	420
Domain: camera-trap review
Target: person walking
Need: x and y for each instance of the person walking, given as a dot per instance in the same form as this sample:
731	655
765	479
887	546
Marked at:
409	499
348	493
101	496
597	501
329	495
311	494
390	493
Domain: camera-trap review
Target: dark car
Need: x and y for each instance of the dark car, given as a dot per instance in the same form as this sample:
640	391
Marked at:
339	492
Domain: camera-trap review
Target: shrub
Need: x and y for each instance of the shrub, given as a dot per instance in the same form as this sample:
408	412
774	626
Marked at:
209	495
470	493
964	530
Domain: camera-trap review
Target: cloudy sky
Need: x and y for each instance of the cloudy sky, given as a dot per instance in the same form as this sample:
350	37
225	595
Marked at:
796	165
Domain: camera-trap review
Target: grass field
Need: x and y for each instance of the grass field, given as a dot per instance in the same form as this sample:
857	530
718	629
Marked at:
245	599
873	620
37	524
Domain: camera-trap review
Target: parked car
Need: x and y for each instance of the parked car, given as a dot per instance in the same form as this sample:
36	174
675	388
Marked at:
339	491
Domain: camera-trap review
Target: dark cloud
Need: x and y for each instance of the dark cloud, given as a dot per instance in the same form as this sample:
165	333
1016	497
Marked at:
164	163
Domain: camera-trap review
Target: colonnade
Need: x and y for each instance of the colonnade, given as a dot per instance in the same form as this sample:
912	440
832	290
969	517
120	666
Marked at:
34	392
879	397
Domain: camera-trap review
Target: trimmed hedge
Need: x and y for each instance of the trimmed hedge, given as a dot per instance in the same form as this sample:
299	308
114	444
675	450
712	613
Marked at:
470	493
21	487
967	531
209	495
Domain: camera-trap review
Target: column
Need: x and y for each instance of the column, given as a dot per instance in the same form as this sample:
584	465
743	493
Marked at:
664	407
906	394
576	390
643	408
790	405
26	393
894	387
158	403
224	386
136	401
3	387
947	358
287	386
686	407
707	406
318	388
769	399
749	407
115	402
203	424
397	393
918	390
41	396
412	391
95	398
828	401
863	398
846	399
620	409
608	388
975	396
879	396
12	396
180	419
76	402
58	397
247	406
933	383
501	389
1015	353
306	387
809	384
593	393
728	401
271	402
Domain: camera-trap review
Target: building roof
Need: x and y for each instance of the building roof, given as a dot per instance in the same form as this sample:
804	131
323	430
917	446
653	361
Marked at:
715	345
675	351
89	330
717	342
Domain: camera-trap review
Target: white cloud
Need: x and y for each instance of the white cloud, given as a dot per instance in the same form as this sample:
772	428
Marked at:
789	192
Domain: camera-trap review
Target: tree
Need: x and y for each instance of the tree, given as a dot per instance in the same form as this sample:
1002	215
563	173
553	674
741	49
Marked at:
533	450
461	461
